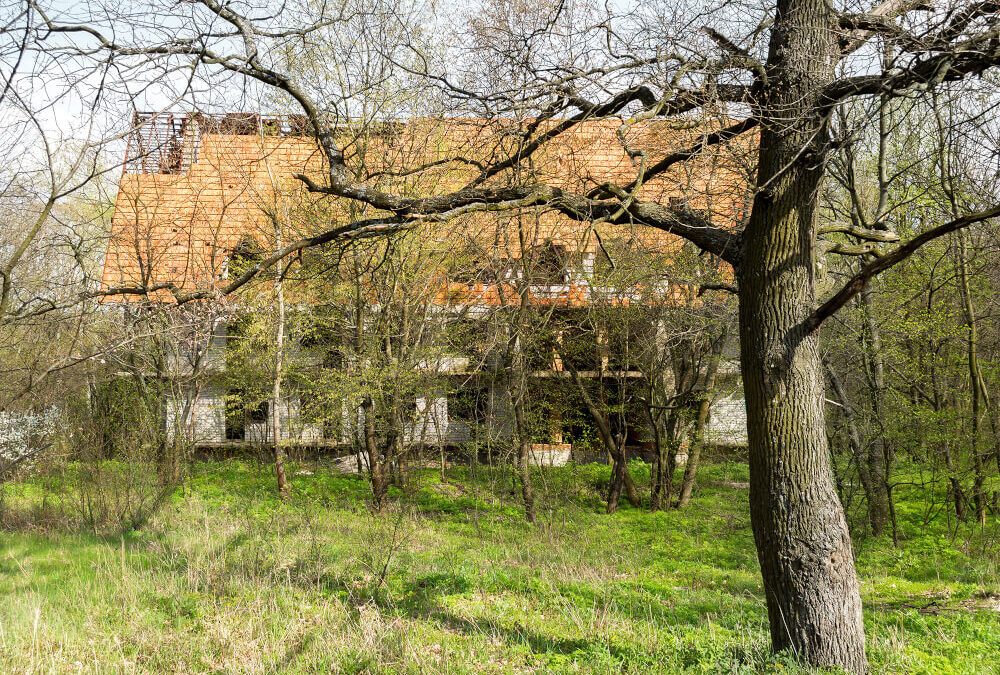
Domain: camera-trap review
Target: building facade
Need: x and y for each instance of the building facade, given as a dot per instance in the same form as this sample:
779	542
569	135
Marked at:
198	191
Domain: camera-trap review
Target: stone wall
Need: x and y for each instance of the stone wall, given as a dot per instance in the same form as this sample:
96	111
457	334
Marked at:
550	454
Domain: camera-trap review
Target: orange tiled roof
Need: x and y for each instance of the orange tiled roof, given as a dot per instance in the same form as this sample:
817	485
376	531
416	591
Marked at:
185	204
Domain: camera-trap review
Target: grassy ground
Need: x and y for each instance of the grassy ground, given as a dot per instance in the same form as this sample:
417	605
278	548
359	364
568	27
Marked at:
224	578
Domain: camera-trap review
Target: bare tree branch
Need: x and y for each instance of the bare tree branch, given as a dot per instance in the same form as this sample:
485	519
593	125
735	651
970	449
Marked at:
858	282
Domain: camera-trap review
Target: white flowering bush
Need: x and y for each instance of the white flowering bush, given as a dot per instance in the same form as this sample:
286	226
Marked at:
24	435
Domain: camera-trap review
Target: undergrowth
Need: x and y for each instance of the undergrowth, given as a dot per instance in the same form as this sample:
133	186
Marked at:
226	578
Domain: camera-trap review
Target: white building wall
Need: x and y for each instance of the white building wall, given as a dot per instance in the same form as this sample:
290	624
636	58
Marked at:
727	423
209	416
292	427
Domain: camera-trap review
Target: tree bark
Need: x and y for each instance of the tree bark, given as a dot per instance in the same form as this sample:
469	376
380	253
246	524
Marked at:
631	493
279	353
376	463
980	397
704	408
517	372
878	448
523	466
803	544
675	429
659	457
620	477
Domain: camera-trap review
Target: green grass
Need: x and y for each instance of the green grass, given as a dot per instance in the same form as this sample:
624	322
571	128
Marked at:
224	578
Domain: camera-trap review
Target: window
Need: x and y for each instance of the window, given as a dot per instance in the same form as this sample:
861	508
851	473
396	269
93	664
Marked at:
576	341
466	337
235	417
548	264
258	412
469	403
612	253
239	124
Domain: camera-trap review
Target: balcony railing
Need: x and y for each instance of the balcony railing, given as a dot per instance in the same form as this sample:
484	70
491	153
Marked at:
169	143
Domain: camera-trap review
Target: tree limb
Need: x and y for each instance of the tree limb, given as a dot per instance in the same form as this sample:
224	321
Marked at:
970	57
858	282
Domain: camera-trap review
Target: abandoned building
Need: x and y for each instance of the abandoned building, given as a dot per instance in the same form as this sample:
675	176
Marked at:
196	188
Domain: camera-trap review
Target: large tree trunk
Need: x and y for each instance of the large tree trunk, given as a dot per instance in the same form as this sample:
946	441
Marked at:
802	539
803	544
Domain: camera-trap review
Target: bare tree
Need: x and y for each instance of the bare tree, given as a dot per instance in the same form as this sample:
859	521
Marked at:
543	76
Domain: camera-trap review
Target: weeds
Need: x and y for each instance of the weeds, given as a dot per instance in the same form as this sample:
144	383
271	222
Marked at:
229	579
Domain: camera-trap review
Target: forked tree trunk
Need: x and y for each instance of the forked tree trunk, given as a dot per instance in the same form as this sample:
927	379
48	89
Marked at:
620	476
377	466
616	484
803	544
701	421
621	479
631	492
675	431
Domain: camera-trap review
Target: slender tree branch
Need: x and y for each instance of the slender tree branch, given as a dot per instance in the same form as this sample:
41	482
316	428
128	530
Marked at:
970	57
717	286
858	282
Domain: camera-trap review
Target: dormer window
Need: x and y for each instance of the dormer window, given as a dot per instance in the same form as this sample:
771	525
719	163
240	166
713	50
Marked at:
548	264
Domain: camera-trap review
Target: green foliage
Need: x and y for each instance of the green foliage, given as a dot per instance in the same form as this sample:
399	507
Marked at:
229	578
120	417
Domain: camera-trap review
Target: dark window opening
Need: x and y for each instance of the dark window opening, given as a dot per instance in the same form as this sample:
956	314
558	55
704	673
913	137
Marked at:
239	124
465	336
243	256
239	414
540	350
236	421
469	403
407	407
258	412
548	264
613	254
574	340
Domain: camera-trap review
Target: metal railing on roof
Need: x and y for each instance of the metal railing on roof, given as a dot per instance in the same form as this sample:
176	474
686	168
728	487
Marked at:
169	143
